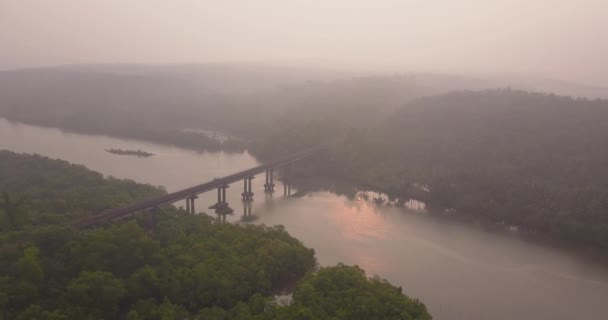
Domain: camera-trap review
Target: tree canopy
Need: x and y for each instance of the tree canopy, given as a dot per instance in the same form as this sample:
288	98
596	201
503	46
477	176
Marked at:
502	157
171	265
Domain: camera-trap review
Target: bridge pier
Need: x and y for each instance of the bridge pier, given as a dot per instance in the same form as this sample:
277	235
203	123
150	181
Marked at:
221	218
190	203
269	185
247	193
149	218
221	207
287	179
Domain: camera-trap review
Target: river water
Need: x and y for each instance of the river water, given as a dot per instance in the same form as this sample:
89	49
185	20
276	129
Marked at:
458	271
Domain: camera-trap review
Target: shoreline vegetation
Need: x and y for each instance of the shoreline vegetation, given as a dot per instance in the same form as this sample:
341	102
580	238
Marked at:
531	160
137	153
174	266
192	139
499	190
526	161
351	187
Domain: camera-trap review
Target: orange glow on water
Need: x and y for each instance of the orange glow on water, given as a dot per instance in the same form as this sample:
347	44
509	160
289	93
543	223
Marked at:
362	224
359	220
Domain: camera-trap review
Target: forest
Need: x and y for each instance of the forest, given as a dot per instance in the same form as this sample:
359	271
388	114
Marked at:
500	157
162	266
155	103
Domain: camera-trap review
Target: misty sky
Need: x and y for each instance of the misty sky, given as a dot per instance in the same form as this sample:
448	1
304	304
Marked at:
563	39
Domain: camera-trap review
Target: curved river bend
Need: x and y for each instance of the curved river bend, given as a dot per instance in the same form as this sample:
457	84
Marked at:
459	271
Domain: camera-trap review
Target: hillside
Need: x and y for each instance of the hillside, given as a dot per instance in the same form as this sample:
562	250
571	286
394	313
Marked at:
156	103
503	157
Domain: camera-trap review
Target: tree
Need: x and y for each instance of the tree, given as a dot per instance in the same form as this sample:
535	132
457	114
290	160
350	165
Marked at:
14	216
35	312
95	294
344	292
28	266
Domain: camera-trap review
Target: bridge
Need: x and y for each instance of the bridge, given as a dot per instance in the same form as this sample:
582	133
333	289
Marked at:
190	194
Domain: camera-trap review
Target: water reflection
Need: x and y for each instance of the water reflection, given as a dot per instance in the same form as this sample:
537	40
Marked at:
286	189
247	212
359	219
172	167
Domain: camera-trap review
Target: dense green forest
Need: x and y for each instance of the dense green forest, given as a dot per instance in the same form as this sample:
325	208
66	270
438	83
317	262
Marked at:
170	265
505	157
36	191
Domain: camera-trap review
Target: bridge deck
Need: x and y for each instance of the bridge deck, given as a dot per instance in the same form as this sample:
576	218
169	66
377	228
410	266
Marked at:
185	193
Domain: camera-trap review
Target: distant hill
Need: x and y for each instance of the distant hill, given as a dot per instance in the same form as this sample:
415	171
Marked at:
246	100
531	160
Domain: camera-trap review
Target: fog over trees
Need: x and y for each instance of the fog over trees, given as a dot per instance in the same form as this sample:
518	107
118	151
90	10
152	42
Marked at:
489	114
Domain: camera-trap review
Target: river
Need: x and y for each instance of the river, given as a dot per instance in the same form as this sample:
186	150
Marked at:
459	271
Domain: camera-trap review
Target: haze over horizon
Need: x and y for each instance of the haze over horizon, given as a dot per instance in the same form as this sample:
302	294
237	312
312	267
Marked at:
565	40
367	159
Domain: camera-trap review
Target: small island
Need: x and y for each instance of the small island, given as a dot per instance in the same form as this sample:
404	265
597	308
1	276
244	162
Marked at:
137	153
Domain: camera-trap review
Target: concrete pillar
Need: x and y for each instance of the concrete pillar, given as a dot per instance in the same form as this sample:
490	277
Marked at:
151	217
269	185
247	189
188	205
192	204
221	207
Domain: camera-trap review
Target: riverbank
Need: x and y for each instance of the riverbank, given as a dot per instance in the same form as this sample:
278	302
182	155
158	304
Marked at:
184	138
260	259
350	187
431	258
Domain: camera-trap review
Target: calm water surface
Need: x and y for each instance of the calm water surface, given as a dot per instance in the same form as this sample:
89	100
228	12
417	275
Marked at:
459	271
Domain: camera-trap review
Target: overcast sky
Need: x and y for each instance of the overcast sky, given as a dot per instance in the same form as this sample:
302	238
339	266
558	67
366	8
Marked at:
563	39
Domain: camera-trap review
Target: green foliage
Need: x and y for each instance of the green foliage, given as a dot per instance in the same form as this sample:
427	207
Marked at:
188	263
502	157
28	266
13	216
36	312
37	191
183	267
344	292
95	295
